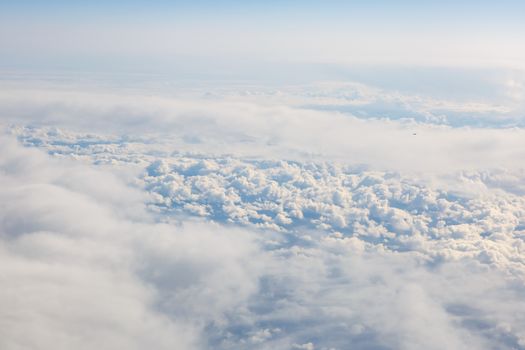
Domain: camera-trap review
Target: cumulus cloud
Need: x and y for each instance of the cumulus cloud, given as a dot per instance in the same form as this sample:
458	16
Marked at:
78	273
480	216
270	130
368	102
80	270
233	223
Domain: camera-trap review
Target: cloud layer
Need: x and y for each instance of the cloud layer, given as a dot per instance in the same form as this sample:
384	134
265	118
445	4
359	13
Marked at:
281	129
81	269
231	223
85	268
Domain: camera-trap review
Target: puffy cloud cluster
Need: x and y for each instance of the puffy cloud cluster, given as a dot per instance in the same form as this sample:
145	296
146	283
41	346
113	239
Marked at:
381	208
116	241
368	102
280	128
84	268
476	214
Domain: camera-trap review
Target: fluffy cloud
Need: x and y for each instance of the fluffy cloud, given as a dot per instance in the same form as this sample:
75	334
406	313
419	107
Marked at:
187	229
81	268
277	129
469	216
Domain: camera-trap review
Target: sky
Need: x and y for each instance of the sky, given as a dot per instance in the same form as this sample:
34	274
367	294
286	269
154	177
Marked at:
159	35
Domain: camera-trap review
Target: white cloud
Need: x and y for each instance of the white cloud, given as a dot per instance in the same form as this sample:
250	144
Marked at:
256	129
469	219
77	273
331	254
79	270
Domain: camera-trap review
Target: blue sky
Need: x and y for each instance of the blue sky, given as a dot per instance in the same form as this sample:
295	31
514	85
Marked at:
407	9
154	33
